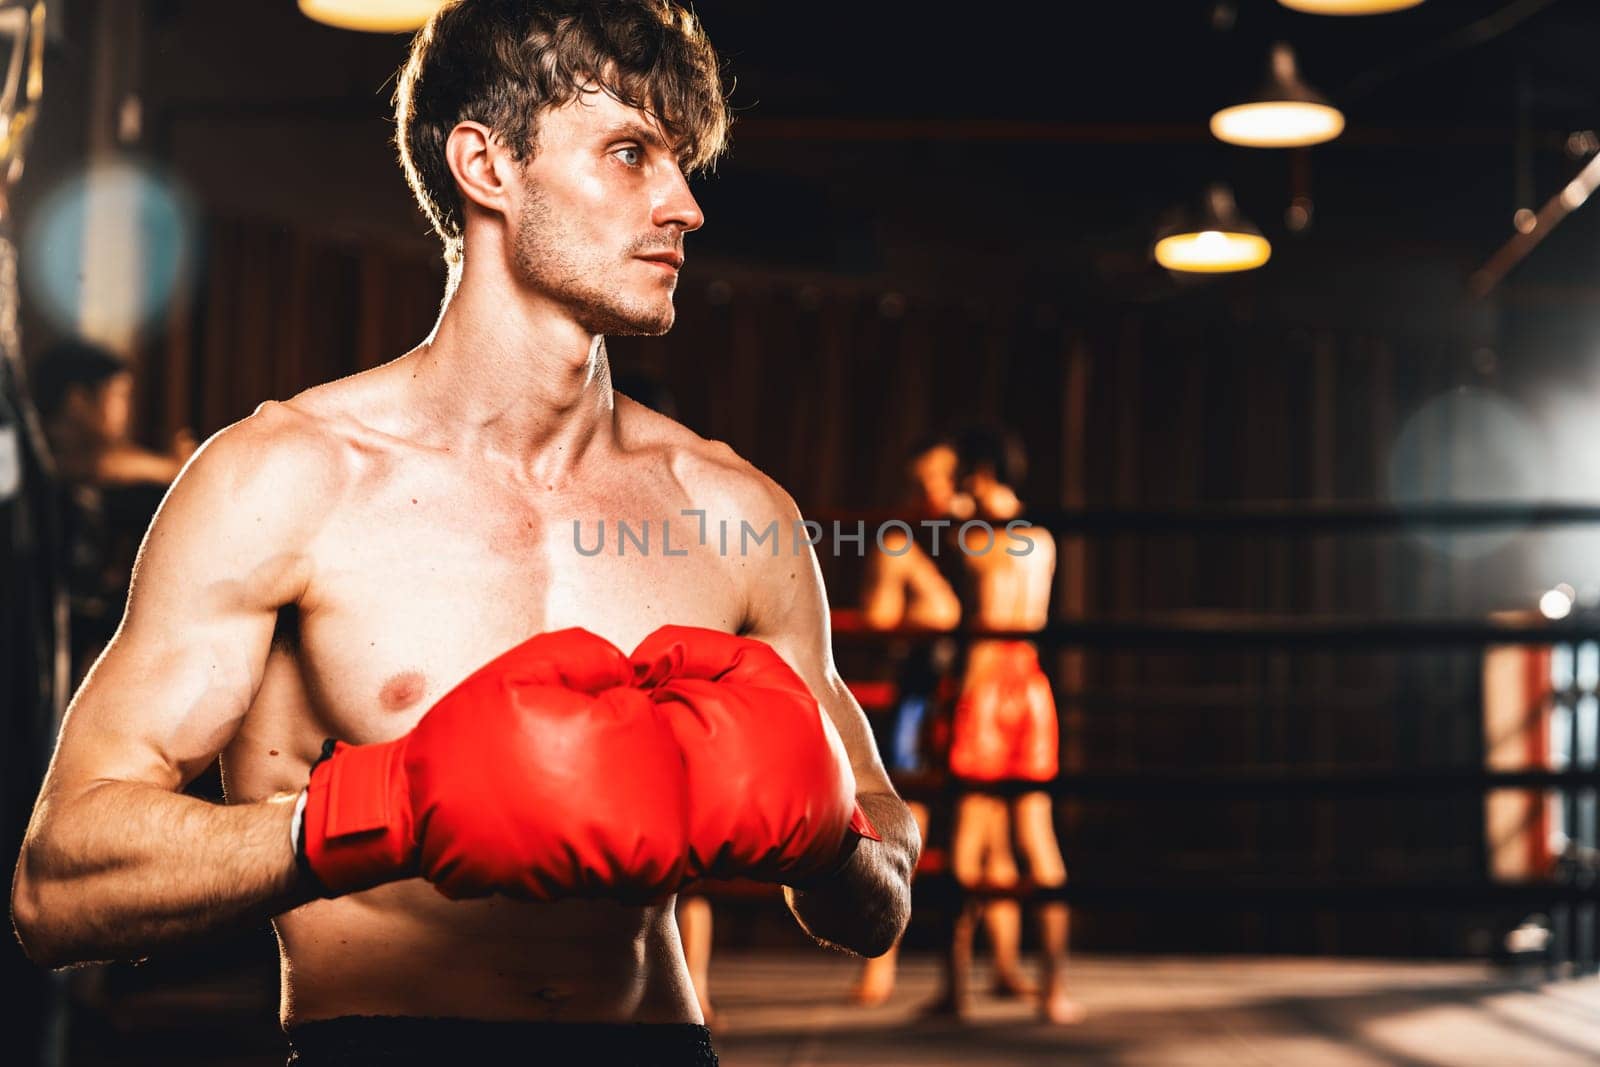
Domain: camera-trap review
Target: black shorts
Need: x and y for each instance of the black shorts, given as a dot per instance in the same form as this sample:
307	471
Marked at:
394	1039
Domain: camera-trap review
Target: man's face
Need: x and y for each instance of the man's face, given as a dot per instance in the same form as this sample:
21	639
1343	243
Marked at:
934	473
603	212
104	410
116	407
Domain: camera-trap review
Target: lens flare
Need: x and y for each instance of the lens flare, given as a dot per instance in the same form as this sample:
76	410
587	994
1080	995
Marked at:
1469	445
133	275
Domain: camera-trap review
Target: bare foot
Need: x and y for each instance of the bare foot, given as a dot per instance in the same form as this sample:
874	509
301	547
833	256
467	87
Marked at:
1061	1010
876	981
870	994
1012	986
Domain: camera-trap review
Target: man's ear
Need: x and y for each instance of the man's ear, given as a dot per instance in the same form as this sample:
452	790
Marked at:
481	164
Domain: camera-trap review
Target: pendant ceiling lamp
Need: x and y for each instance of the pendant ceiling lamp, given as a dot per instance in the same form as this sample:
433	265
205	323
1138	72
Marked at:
1348	7
373	16
1285	113
1216	241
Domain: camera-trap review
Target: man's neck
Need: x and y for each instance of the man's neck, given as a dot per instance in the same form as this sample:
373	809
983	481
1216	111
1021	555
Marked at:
514	380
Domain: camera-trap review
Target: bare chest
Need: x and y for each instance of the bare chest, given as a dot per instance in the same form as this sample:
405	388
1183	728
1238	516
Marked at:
424	581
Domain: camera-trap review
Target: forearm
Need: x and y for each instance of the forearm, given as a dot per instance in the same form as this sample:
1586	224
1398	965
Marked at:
127	463
865	906
124	867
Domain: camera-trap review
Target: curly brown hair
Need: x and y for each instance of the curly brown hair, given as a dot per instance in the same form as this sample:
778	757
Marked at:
502	62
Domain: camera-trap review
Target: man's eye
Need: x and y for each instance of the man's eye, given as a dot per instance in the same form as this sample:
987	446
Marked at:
630	156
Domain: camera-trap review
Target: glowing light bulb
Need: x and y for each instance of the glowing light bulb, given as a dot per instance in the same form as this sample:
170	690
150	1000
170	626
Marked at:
372	16
1284	113
1348	7
1556	603
1212	252
1278	124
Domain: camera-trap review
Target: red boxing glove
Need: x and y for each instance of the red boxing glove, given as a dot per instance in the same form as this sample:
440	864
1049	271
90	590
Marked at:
771	793
544	774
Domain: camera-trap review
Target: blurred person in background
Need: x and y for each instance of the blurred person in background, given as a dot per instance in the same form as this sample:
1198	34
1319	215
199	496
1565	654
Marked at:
909	584
1005	729
110	485
85	395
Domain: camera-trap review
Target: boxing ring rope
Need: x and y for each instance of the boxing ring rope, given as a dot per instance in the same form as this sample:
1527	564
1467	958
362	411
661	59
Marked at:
1250	783
1576	879
1275	517
1208	630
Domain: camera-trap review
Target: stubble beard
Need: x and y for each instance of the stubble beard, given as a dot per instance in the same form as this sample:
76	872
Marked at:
553	261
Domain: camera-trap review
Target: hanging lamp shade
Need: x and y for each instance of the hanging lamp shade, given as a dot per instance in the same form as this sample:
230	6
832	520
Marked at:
1348	7
1217	240
373	16
1285	113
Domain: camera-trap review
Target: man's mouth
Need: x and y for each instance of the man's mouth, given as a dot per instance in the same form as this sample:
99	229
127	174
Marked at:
666	259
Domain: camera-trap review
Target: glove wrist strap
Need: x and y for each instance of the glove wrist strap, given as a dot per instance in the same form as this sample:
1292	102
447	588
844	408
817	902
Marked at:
356	834
861	825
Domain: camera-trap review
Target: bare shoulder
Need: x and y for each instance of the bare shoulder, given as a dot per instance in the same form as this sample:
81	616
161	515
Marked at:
312	446
280	454
711	474
1029	539
1008	545
256	490
237	522
1028	548
895	543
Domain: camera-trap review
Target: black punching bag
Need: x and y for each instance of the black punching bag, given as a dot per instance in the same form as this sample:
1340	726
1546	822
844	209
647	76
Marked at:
33	608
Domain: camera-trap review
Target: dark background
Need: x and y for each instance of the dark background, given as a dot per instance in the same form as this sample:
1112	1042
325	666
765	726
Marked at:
932	216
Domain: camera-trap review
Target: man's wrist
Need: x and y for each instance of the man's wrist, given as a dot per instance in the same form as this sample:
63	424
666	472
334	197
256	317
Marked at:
297	841
860	828
847	853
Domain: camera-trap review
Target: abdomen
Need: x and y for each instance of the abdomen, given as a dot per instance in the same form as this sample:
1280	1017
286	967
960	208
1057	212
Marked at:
403	949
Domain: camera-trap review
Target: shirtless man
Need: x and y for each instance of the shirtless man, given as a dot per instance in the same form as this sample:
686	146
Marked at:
1005	724
85	395
904	587
333	565
111	486
908	586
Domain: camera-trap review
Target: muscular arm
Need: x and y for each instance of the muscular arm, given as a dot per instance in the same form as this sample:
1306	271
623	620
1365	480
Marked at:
116	859
865	906
904	587
126	464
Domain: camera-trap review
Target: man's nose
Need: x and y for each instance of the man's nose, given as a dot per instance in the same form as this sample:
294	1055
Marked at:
676	205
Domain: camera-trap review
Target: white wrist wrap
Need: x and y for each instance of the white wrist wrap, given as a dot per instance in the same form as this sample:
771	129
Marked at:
294	825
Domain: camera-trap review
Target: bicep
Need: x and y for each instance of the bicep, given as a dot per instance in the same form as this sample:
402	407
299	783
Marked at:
883	602
791	615
171	688
165	697
129	464
937	605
